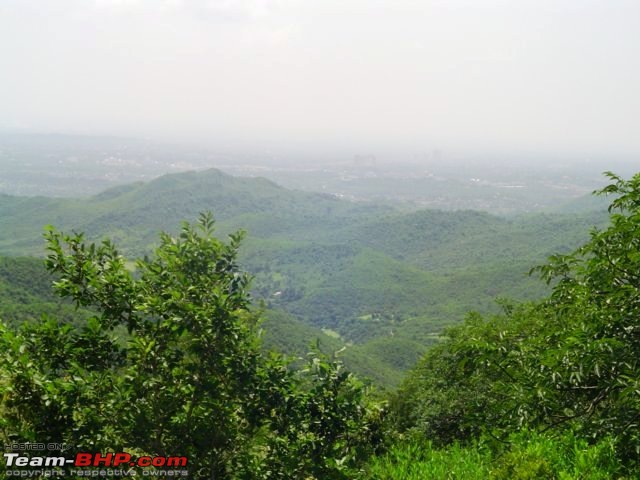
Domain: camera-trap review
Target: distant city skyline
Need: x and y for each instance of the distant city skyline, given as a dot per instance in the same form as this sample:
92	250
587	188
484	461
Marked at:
350	76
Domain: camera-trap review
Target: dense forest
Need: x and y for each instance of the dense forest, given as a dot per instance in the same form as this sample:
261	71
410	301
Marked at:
381	281
169	355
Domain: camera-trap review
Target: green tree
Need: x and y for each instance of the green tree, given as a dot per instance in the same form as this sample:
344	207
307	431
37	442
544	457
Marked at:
593	361
171	365
181	381
478	380
568	362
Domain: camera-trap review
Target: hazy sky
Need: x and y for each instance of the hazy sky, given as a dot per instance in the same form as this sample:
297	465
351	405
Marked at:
530	75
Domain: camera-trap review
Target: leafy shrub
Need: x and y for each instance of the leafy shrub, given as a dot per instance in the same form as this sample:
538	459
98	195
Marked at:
524	456
188	377
566	364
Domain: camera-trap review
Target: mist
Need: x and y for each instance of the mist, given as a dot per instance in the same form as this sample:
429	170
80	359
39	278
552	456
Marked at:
534	76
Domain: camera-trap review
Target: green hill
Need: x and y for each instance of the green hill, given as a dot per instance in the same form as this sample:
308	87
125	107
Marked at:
26	293
380	279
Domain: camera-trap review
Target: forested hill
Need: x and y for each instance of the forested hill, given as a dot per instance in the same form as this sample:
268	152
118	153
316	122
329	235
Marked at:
383	279
134	213
26	293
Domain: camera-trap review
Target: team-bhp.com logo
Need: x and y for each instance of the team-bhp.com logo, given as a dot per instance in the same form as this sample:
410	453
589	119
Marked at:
84	459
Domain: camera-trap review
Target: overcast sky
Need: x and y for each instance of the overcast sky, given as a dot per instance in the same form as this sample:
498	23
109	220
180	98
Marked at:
529	75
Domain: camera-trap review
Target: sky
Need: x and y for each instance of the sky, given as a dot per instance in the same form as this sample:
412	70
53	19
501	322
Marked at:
549	76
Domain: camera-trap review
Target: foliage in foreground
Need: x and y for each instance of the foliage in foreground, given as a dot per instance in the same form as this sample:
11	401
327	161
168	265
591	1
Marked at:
187	378
525	456
570	363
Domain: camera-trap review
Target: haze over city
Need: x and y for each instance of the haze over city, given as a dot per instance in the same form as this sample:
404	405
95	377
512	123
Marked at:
532	76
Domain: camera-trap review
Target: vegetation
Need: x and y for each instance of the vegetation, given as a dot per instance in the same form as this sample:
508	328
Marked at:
526	456
26	294
386	281
567	365
543	389
187	379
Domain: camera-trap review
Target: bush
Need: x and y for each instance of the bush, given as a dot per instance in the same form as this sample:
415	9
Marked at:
525	456
171	365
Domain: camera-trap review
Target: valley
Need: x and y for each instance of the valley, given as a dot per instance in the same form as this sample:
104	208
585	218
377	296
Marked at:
380	280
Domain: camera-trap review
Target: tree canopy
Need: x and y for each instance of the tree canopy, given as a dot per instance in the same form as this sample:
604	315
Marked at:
170	365
570	362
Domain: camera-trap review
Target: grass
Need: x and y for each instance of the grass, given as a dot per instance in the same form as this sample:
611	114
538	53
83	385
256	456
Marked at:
526	456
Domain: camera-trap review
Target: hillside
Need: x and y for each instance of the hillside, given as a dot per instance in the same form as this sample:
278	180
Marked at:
380	279
133	214
26	293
